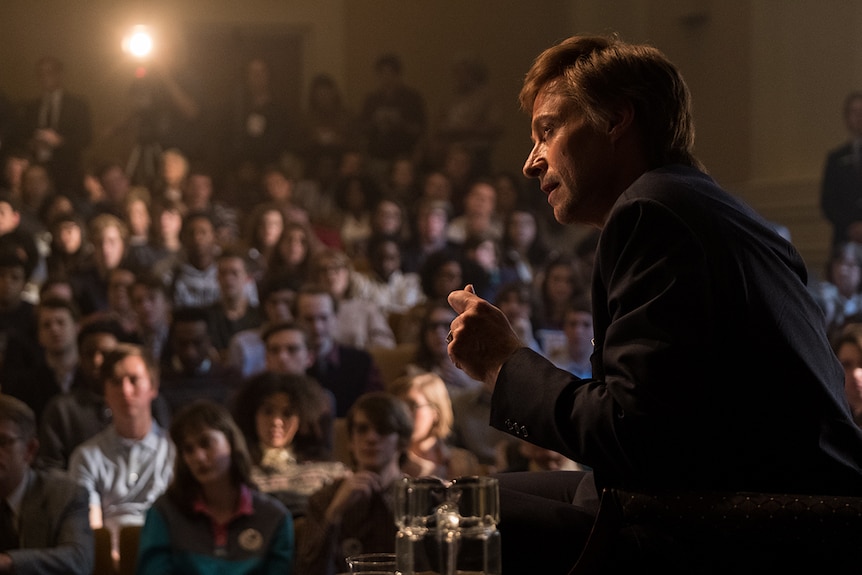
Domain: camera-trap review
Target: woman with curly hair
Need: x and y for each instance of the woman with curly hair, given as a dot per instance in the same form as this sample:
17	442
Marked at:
282	417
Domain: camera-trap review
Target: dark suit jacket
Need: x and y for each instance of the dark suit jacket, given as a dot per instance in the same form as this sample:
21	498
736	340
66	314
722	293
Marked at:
75	126
841	191
54	528
712	368
349	373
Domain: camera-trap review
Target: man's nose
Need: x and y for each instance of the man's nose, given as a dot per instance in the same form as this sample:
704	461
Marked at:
531	166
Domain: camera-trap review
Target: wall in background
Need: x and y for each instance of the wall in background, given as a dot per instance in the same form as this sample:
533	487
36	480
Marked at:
767	77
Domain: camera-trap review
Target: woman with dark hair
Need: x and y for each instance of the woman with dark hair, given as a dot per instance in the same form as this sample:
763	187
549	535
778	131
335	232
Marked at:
261	233
211	518
293	252
281	417
432	349
355	197
355	514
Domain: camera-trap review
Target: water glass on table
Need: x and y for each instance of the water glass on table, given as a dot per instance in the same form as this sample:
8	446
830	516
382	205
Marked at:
372	564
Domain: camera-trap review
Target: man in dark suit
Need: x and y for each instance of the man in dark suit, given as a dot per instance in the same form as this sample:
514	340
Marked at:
841	186
57	127
44	517
711	369
346	371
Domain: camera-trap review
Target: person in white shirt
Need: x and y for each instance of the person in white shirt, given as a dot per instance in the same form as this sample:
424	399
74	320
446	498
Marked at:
126	466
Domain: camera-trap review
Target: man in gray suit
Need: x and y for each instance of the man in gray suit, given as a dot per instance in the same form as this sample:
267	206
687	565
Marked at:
44	522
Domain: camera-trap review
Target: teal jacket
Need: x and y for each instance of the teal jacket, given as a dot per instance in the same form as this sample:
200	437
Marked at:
175	542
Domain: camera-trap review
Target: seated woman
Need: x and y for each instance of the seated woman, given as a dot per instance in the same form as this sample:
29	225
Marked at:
430	454
432	351
279	415
210	519
361	322
355	514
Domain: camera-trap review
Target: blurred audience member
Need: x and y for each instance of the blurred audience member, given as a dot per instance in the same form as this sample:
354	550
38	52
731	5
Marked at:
279	415
211	519
346	371
57	126
129	463
430	453
354	514
361	322
839	293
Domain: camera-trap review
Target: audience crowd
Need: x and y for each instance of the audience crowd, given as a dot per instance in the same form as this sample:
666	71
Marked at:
273	281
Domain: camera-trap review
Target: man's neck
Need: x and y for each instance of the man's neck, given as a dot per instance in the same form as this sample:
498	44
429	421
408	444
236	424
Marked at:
325	347
135	428
235	308
62	360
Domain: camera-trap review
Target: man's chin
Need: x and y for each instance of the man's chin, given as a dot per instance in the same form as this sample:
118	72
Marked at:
564	216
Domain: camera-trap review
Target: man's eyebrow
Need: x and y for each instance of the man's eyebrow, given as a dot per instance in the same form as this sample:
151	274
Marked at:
543	117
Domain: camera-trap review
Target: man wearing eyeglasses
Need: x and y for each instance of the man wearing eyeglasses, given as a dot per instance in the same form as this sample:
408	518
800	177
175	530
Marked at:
44	523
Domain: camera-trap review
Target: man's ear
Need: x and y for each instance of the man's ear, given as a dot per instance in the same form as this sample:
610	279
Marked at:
621	120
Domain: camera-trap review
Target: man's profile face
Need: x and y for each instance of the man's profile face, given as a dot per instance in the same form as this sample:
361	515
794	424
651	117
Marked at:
573	161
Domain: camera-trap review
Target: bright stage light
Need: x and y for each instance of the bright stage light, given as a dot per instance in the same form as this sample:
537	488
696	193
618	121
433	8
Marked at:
139	42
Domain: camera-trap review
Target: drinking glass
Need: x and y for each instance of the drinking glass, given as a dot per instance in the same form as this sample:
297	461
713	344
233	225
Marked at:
448	528
372	563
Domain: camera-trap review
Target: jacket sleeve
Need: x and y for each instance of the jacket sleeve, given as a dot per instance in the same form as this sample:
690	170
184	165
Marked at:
72	551
316	552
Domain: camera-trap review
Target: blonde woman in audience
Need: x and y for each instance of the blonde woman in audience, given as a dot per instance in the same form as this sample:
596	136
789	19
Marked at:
430	453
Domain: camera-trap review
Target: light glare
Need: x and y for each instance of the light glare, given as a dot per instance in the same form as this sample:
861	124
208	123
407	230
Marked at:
139	43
